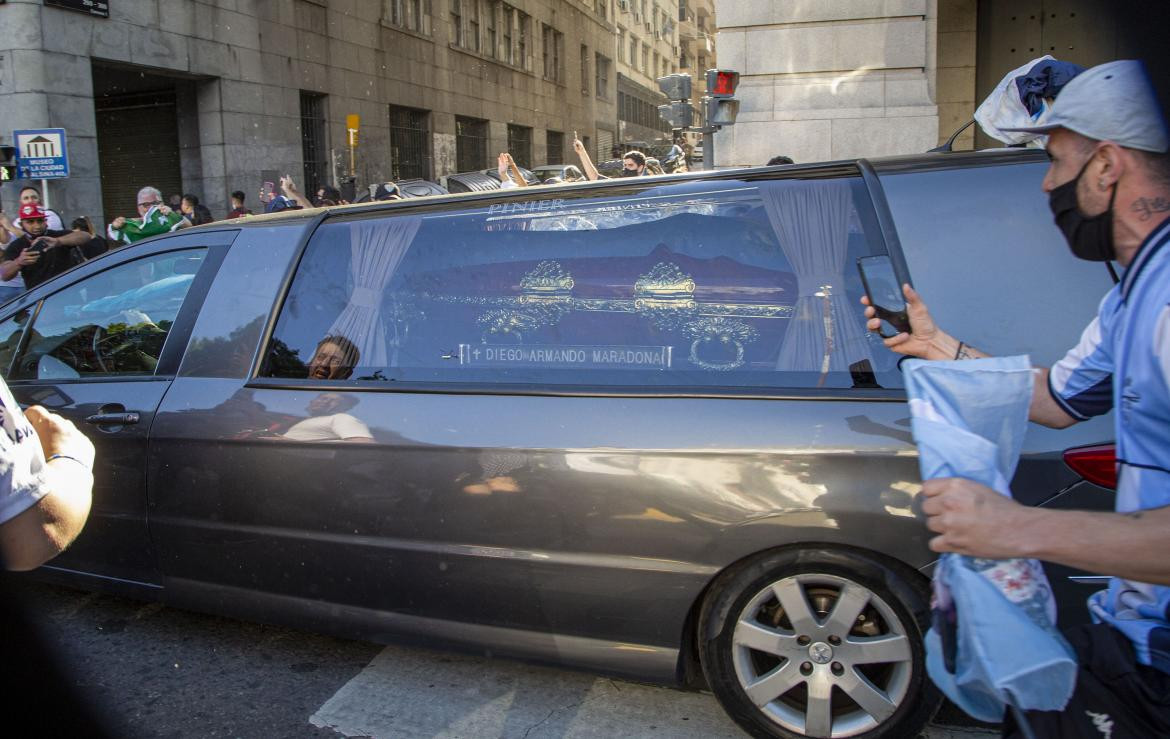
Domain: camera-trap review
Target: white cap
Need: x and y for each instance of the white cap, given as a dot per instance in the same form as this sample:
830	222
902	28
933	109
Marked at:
1110	102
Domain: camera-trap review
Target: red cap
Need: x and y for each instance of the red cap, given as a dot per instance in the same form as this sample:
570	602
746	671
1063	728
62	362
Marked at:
31	211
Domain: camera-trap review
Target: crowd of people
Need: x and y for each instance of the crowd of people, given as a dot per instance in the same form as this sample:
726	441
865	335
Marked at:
37	245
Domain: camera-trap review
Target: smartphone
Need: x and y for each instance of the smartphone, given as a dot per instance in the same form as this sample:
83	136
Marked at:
269	189
885	294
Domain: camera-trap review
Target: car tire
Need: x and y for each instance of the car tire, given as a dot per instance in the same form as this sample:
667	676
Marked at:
857	672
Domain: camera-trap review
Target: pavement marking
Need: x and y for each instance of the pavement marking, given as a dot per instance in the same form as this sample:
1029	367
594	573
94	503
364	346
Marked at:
416	694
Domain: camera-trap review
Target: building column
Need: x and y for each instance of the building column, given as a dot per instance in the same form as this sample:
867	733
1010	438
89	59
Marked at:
828	79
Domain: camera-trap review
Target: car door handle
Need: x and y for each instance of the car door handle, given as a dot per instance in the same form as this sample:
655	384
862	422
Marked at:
112	419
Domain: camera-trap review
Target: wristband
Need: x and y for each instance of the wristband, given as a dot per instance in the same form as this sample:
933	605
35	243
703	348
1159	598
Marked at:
66	456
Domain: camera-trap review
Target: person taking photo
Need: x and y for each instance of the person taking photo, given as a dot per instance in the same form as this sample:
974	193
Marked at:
1108	185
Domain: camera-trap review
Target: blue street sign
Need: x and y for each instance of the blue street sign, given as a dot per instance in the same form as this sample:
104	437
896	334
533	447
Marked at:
41	153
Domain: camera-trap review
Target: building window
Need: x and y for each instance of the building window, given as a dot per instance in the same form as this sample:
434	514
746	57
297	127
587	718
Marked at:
314	148
621	46
396	12
682	10
520	144
633	50
508	15
682	60
603	8
601	79
525	36
584	69
471	141
409	144
473	38
457	22
553	42
554	144
645	59
411	15
493	9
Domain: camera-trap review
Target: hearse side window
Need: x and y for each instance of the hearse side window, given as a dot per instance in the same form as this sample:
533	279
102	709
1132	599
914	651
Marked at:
113	323
726	284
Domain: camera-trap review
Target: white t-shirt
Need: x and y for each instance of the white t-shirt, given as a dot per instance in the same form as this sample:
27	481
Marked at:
328	428
22	462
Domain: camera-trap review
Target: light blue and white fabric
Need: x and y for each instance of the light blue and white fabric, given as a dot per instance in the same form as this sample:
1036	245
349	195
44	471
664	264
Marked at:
22	461
969	420
1122	363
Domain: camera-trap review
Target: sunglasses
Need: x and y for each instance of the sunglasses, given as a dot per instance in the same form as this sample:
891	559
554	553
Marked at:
150	204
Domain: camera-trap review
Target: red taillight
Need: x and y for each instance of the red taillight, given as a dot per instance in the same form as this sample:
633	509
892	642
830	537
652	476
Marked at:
1097	464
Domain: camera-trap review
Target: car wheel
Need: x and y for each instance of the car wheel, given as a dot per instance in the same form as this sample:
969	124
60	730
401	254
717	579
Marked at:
820	643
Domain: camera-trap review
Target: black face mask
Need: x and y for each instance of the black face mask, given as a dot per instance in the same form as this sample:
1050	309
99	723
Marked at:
629	172
1089	237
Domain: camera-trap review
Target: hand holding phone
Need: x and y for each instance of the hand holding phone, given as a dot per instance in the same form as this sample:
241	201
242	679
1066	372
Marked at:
884	291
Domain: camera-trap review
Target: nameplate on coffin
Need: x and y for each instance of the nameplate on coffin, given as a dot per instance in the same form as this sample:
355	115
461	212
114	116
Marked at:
561	356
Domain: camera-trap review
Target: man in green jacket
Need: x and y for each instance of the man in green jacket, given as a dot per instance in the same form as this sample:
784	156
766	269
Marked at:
154	219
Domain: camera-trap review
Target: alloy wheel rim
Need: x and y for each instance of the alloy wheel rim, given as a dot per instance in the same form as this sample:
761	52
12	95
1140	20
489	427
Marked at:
822	656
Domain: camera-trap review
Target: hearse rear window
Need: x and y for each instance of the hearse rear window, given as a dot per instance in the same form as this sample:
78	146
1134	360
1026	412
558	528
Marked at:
725	284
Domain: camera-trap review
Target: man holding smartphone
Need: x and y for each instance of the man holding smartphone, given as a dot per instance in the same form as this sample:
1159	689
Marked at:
1109	191
40	253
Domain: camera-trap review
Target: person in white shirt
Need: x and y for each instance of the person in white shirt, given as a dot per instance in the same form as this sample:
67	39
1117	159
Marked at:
46	483
328	422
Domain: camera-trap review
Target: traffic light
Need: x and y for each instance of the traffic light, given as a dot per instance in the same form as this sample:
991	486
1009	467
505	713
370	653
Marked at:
678	114
675	86
720	108
721	83
7	163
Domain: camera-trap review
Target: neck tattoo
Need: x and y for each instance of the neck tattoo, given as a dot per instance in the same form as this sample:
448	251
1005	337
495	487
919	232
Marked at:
1146	208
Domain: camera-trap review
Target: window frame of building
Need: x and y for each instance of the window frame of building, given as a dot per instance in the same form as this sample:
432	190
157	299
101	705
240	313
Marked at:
509	14
474	37
554	147
553	42
314	124
457	32
491	42
409	131
520	144
585	84
523	40
601	65
471	144
633	50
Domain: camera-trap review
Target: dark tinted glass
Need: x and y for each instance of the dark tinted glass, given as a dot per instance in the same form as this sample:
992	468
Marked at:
112	323
983	251
698	285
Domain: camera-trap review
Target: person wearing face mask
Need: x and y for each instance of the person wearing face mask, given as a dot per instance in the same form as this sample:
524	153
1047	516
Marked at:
1109	190
634	164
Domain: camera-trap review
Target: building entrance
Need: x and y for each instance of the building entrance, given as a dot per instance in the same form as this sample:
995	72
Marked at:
137	136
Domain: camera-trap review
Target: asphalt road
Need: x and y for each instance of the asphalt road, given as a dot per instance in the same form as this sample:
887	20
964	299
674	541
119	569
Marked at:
162	672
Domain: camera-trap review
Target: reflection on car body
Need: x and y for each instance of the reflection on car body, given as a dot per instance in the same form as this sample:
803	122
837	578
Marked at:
634	426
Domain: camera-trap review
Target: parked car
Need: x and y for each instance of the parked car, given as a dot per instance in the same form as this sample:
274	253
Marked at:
633	426
566	172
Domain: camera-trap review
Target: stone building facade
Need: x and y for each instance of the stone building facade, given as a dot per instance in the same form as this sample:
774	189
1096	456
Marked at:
209	96
647	48
836	79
